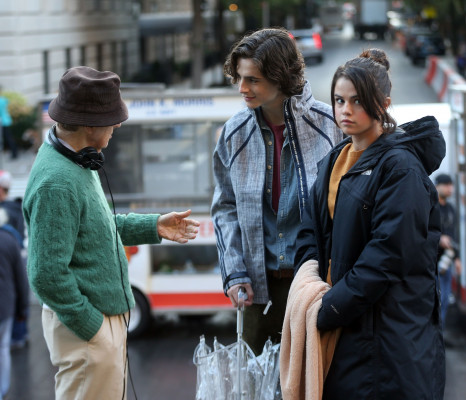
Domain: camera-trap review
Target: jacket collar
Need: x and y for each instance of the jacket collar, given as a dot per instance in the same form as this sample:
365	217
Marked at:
300	103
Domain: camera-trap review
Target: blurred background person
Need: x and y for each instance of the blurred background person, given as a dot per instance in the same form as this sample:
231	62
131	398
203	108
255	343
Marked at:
6	122
448	249
12	207
14	295
16	228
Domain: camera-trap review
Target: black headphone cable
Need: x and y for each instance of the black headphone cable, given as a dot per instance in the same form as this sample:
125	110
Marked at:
123	287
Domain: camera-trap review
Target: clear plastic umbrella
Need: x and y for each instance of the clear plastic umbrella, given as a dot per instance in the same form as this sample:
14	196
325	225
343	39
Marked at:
269	360
233	372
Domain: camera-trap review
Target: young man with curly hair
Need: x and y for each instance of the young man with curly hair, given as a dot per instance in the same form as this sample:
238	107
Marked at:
265	163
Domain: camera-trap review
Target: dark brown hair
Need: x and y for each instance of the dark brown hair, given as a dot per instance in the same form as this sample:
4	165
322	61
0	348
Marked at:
369	75
275	54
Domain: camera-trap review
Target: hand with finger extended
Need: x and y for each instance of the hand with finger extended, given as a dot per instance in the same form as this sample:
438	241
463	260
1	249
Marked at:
175	226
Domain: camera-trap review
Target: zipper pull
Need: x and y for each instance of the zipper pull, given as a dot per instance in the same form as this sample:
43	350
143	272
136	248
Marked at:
266	309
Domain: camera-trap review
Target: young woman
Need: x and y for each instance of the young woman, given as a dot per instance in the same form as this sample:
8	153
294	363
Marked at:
373	224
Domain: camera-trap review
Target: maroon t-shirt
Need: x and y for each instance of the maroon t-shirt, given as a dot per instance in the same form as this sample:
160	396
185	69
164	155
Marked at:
277	152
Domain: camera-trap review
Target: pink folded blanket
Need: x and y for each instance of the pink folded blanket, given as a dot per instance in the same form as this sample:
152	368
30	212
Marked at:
305	352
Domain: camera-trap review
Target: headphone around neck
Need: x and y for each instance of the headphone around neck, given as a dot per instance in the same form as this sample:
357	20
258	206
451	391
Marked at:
88	157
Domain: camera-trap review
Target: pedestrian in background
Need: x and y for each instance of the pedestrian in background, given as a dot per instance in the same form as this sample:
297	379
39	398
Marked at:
14	295
16	227
373	225
5	125
265	163
12	206
461	58
448	254
77	265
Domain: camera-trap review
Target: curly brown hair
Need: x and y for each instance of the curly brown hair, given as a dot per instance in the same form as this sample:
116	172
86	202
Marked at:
274	52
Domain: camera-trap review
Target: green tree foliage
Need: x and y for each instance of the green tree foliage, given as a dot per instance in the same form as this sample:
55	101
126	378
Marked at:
17	105
23	115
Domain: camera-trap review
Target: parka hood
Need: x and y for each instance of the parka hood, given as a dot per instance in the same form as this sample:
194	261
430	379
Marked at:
422	137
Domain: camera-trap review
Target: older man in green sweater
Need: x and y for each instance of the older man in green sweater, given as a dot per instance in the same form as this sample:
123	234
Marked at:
77	265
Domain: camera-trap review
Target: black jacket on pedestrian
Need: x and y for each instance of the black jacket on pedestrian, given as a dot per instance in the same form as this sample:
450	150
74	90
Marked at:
14	287
15	216
382	243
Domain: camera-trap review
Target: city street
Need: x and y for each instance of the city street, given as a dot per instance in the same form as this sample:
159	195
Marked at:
161	364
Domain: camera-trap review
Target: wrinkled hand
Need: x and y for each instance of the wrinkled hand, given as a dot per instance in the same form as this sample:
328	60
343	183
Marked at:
233	294
176	227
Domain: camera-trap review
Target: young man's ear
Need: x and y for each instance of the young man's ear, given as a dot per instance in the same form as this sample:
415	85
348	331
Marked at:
388	101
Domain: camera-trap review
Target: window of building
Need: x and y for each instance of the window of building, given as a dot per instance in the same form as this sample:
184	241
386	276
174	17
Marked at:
124	59
100	56
82	60
68	57
45	71
114	56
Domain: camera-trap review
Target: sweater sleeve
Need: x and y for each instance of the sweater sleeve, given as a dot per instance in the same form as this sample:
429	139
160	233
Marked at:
53	228
137	229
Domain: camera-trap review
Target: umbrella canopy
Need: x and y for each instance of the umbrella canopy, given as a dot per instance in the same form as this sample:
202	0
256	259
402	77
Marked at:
234	372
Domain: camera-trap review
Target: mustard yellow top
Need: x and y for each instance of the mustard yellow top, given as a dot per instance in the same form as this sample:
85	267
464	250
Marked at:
347	158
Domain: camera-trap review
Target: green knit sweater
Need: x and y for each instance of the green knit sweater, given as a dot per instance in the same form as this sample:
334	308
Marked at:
74	261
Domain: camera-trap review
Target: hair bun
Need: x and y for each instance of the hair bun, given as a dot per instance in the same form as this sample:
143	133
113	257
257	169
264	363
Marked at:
377	55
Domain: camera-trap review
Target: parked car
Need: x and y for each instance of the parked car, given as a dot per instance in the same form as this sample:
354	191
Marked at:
409	36
423	43
309	43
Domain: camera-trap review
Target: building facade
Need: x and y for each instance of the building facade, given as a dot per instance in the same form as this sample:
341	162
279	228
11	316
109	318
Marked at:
40	39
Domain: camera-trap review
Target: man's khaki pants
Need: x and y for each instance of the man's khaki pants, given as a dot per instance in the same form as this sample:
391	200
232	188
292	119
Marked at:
87	370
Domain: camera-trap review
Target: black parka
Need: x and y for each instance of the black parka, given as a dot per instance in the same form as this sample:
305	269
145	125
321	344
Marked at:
382	243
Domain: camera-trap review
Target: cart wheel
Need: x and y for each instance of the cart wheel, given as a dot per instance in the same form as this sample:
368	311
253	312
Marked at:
140	315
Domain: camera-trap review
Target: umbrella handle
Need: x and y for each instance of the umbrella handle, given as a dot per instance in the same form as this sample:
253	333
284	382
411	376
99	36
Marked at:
242	297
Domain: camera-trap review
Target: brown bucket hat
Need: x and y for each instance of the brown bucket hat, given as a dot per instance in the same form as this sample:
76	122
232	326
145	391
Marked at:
87	97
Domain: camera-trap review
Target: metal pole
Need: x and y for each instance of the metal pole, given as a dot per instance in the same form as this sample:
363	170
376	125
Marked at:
239	330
